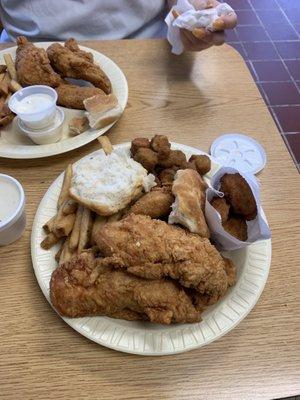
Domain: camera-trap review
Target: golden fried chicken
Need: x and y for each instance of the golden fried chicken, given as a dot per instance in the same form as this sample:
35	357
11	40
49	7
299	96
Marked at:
237	227
202	163
220	204
33	65
72	96
72	45
239	195
87	286
153	249
155	204
72	65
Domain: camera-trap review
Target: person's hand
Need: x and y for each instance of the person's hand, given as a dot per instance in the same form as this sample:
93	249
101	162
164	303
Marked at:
200	38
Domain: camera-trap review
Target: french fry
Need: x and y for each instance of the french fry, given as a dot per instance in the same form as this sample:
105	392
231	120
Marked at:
98	223
10	66
14	86
49	225
105	143
66	254
3	68
85	229
58	254
4	84
49	241
64	194
64	225
74	238
70	207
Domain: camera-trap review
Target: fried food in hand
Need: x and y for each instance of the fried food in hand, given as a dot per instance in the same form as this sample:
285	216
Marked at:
155	204
176	158
153	249
161	145
137	143
146	157
72	96
239	195
202	163
220	204
33	65
72	45
87	286
188	209
71	65
237	227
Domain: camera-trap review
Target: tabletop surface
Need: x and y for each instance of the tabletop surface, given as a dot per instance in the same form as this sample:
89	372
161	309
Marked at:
192	98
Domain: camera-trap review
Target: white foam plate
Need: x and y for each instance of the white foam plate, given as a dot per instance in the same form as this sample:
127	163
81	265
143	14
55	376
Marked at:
145	338
15	144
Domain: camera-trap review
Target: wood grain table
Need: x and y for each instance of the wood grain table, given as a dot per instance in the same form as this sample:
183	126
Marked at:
192	98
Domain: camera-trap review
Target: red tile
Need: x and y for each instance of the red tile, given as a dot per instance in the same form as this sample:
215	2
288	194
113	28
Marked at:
239	48
247	17
272	17
294	143
231	35
281	93
288	118
271	71
260	51
239	4
281	32
263	95
251	34
264	4
294	68
288	49
251	70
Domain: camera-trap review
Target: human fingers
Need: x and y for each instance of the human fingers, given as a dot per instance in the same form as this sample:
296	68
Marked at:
191	43
225	22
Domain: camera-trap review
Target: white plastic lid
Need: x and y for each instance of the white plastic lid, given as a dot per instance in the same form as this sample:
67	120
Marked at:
240	152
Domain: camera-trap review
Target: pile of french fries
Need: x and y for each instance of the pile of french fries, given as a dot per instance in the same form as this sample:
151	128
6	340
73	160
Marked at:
8	85
74	226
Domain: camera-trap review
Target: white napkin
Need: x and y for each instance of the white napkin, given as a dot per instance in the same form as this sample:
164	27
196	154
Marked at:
190	18
258	228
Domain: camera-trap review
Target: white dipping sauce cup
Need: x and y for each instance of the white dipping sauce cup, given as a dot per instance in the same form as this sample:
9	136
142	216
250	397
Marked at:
12	210
41	114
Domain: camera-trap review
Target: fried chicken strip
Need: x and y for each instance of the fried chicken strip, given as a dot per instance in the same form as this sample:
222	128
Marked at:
72	96
72	65
87	286
33	65
72	45
153	249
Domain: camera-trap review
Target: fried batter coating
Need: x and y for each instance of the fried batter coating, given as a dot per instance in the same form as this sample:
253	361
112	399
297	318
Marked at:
202	163
175	158
137	143
221	205
239	195
72	96
146	157
237	227
167	175
155	204
161	145
72	45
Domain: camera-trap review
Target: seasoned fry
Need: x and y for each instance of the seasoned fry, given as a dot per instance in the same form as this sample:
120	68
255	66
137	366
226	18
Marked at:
74	238
98	223
10	66
64	194
3	68
105	143
14	86
49	241
58	254
85	229
49	225
64	225
70	207
4	85
66	253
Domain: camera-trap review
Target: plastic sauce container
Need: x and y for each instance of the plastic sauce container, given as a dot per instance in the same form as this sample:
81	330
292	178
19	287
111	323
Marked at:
12	210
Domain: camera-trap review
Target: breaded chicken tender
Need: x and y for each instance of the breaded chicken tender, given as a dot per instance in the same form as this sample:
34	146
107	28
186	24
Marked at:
237	227
221	205
239	195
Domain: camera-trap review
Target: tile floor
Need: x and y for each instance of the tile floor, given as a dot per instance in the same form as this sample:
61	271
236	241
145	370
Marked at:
268	37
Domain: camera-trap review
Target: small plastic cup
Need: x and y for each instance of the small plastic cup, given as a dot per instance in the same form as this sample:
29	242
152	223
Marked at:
12	210
41	113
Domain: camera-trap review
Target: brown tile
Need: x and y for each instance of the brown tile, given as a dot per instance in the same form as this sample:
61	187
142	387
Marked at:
251	34
247	17
271	71
264	4
294	68
272	17
231	35
239	4
294	143
288	118
281	32
260	51
281	93
240	49
288	49
251	70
